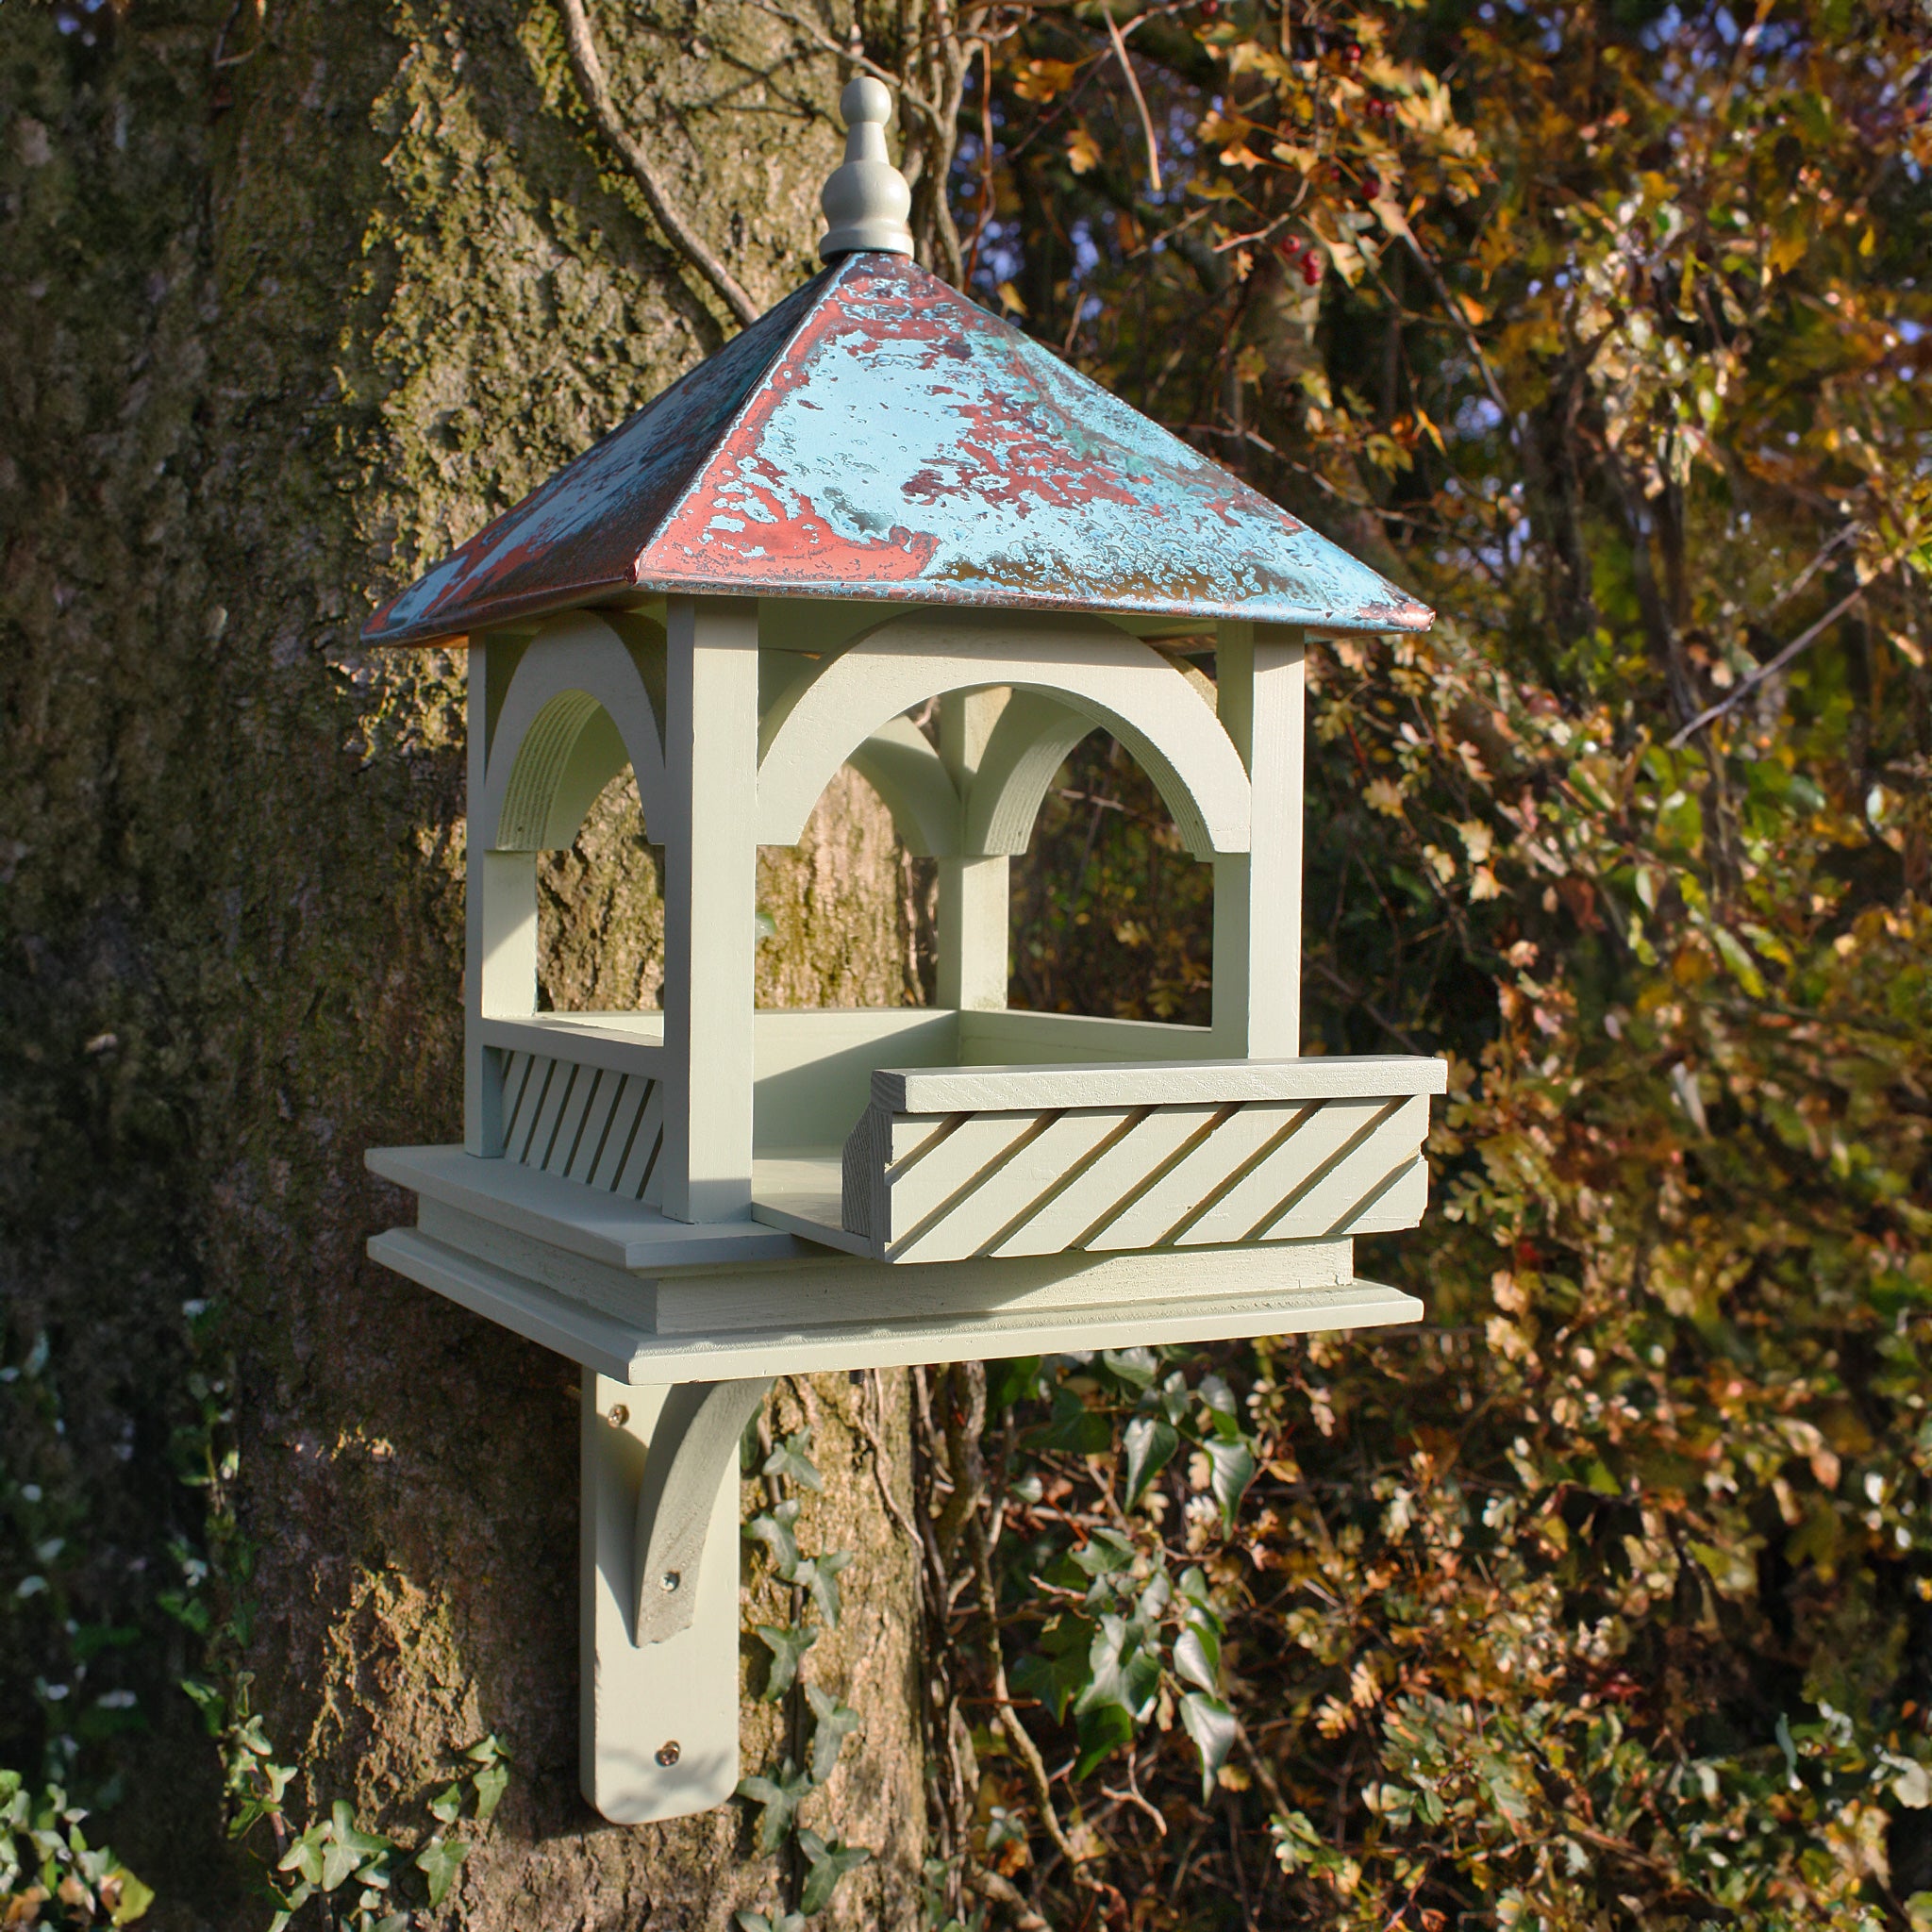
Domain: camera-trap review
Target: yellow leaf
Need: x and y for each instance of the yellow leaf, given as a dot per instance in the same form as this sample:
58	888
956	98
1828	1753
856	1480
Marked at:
1009	299
1239	156
1040	80
1083	151
1868	243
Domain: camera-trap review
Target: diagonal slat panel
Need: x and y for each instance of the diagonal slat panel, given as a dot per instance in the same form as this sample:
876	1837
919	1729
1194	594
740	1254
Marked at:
1007	1194
570	1121
923	1187
1321	1137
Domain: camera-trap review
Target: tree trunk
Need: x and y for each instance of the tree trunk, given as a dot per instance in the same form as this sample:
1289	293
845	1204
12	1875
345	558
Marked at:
298	296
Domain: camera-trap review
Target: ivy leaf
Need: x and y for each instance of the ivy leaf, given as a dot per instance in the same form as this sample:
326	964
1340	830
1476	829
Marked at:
788	1644
820	1576
1134	1366
1233	1469
1103	1730
440	1861
780	1797
447	1805
1119	1670
1056	1671
1211	1725
1197	1658
493	1779
1107	1552
772	1527
836	1721
791	1460
1150	1441
305	1855
827	1861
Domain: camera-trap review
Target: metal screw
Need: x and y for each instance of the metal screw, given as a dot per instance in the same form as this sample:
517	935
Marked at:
670	1581
618	1415
669	1753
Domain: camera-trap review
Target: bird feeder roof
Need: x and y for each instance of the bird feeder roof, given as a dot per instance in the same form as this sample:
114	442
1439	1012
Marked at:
878	436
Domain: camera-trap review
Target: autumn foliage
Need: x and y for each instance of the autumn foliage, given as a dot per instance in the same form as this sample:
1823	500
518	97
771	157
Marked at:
1604	1599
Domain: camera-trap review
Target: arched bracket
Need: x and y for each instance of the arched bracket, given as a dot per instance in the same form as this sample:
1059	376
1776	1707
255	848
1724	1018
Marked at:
659	1727
697	1433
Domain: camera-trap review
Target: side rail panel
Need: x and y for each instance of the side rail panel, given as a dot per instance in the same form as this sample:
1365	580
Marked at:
948	1163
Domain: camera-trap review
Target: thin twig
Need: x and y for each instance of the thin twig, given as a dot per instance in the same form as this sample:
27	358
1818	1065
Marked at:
1784	656
1120	48
589	70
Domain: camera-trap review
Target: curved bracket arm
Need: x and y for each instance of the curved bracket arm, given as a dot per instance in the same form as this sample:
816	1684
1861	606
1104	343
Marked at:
697	1429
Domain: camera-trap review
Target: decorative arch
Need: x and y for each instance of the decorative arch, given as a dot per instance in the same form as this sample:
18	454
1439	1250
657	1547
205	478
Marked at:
581	705
1081	671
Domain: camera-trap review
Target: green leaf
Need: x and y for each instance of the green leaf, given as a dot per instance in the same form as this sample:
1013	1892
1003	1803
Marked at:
1103	1729
1134	1366
1105	1553
772	1527
1055	1669
1233	1469
827	1861
447	1805
780	1797
351	1836
440	1861
212	1703
1150	1441
791	1460
1197	1658
305	1855
1211	1725
134	1897
788	1644
820	1576
836	1721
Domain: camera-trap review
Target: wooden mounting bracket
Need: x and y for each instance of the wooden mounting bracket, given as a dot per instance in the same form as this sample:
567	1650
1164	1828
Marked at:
659	1594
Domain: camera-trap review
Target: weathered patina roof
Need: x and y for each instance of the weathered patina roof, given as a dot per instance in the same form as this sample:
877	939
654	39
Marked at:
878	436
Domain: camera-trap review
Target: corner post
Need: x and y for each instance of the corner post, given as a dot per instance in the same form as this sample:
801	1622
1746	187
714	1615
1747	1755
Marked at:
499	907
711	905
1260	675
975	900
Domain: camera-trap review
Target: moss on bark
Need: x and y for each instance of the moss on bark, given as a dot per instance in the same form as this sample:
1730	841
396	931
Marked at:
295	298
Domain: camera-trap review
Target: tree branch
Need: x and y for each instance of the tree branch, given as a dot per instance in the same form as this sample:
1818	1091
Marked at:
1784	657
589	70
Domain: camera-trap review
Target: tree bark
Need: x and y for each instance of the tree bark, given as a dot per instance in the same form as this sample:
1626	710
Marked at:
296	297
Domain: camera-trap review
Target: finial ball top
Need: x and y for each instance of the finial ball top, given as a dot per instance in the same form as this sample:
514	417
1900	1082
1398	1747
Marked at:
865	99
866	201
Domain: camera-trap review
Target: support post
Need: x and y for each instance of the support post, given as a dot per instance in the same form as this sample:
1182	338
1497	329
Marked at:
657	1735
500	907
975	895
1260	678
711	905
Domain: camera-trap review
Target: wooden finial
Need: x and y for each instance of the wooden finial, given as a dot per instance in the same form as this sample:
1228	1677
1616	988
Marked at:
866	200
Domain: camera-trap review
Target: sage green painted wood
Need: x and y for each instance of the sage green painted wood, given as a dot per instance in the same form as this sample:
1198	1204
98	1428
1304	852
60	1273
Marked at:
658	1732
956	1162
1258	894
1122	683
975	889
694	1439
1196	1295
710	757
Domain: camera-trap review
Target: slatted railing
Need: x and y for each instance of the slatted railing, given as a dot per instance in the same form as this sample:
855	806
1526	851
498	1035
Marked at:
583	1122
953	1162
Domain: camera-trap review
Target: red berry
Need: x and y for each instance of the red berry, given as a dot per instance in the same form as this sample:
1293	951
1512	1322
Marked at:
1312	268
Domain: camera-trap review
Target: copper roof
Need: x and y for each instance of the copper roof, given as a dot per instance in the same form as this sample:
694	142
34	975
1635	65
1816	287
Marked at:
876	435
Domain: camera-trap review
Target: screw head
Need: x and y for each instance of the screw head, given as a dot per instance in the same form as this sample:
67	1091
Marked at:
617	1415
671	1581
669	1753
